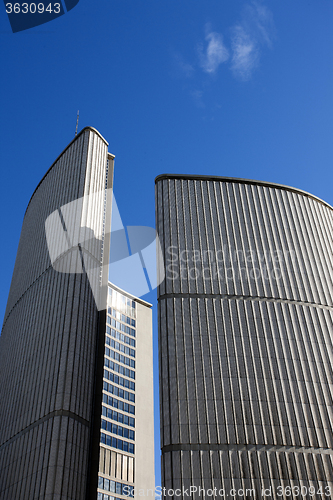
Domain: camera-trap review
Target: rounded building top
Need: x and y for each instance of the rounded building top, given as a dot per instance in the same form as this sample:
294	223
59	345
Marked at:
217	178
85	129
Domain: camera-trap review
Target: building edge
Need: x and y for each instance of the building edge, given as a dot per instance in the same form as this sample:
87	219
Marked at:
238	180
85	129
64	409
93	464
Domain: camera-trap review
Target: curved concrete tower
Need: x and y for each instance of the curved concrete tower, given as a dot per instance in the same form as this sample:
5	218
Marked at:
50	333
245	338
76	365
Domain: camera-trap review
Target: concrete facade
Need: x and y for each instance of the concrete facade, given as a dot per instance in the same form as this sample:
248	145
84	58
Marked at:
48	343
245	337
54	338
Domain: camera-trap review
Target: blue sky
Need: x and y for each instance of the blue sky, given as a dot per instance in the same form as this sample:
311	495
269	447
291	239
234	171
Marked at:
223	87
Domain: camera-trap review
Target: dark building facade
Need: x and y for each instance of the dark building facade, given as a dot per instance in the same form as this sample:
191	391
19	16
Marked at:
245	338
53	344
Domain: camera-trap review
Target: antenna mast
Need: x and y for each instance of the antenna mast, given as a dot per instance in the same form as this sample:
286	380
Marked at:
77	123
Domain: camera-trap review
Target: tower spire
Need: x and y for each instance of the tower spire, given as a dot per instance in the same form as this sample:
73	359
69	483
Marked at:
77	122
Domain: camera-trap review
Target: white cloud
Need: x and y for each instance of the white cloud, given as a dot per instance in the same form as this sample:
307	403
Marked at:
216	53
248	37
245	53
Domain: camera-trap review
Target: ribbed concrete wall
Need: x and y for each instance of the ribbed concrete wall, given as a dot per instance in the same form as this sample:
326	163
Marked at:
245	338
48	342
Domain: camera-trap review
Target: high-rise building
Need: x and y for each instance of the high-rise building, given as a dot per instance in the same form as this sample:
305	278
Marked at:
69	371
126	451
245	338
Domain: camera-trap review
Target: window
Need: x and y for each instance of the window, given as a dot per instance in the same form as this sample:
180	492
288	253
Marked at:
119	357
113	487
120	405
117	417
120	336
119	380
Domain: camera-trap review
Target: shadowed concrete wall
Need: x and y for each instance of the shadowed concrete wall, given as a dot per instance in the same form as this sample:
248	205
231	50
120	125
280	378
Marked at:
245	335
48	342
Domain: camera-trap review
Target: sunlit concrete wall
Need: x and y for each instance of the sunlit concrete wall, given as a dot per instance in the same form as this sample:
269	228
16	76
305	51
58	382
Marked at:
48	342
245	336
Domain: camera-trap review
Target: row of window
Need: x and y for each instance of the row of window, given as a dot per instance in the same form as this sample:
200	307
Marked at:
120	393
120	405
120	347
119	369
118	417
120	336
117	443
121	326
118	430
105	496
120	357
121	317
122	299
122	303
128	384
114	487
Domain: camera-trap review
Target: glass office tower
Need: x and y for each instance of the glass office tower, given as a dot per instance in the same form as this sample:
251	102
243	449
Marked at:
126	455
245	338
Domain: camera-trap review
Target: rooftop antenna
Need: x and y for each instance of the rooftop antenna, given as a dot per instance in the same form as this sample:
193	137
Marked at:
77	122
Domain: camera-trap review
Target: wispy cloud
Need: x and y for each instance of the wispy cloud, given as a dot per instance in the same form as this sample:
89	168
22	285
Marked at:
245	53
183	68
261	19
197	97
255	31
243	48
215	54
